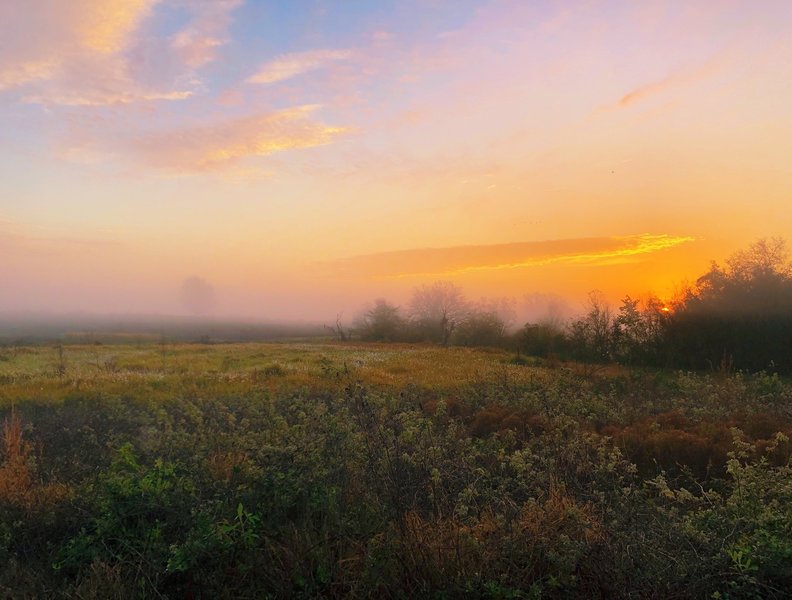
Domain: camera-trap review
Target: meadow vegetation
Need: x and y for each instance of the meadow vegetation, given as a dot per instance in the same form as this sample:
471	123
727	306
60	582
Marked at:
355	470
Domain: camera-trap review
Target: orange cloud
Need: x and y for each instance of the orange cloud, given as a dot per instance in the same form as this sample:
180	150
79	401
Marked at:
287	66
20	74
217	147
463	259
105	26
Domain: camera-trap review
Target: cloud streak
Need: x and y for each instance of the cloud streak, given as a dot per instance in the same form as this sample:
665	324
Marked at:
667	84
223	145
104	97
464	259
19	241
292	65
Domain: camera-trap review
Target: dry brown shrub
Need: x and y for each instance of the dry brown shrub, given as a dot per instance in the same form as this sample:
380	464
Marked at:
671	420
488	420
497	418
17	484
223	465
762	426
439	548
670	440
560	514
15	477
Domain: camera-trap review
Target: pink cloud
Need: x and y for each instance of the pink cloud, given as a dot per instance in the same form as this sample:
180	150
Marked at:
97	81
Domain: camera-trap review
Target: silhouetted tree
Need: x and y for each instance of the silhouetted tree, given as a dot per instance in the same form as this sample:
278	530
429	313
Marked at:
591	336
739	315
542	339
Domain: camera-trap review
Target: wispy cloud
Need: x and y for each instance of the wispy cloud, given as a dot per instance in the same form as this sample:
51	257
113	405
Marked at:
678	80
198	42
463	259
104	97
221	146
291	65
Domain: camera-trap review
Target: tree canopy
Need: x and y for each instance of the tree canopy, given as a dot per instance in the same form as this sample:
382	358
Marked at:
739	315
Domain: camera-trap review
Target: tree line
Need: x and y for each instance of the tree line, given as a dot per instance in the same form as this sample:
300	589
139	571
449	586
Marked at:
438	313
736	316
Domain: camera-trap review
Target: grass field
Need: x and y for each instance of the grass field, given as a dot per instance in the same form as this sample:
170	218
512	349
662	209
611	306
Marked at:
52	373
339	470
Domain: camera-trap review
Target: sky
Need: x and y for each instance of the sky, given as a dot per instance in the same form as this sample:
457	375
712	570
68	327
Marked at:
300	158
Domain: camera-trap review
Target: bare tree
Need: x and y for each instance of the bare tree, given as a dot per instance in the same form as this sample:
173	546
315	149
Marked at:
338	330
437	309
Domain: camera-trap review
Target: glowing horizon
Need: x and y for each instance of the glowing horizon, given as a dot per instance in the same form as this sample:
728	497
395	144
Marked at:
304	158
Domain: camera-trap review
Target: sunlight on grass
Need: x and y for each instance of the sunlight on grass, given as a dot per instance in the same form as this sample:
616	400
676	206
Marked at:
152	371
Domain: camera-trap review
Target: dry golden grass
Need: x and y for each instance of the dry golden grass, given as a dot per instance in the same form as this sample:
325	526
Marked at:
156	372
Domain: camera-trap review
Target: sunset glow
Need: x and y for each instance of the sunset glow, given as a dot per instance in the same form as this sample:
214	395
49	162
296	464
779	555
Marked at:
306	157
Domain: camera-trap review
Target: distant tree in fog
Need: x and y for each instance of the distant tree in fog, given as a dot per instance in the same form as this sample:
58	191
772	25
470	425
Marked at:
480	328
504	308
382	322
547	310
197	295
438	309
485	322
